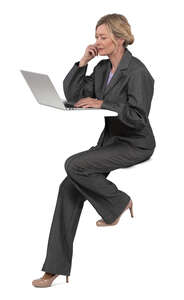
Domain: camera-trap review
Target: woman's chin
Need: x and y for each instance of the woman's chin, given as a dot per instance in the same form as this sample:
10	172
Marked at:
102	53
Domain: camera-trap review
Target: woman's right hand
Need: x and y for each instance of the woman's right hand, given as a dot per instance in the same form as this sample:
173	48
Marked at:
90	52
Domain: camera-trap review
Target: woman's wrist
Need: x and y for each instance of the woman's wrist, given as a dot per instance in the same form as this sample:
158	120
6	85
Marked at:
83	62
100	101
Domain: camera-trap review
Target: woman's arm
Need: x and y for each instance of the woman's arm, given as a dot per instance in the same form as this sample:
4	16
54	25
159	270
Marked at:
134	113
77	85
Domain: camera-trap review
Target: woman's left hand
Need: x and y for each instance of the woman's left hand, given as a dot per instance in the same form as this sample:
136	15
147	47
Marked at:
89	102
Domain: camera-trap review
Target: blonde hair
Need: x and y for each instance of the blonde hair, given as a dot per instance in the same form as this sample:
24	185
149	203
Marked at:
118	27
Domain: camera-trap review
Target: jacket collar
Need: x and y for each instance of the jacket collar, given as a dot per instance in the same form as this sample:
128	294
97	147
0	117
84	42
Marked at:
124	62
123	65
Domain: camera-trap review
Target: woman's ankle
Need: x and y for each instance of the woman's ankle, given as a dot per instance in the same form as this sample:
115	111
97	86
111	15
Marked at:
48	275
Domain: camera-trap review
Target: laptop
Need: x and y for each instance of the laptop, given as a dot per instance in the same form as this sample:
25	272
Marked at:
45	92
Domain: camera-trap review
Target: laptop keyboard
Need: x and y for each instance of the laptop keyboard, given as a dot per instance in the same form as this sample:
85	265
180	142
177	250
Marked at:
68	104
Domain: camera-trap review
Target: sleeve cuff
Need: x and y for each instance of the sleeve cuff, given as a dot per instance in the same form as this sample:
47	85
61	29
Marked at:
83	67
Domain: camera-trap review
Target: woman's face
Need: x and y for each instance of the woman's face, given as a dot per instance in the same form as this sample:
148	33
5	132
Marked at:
104	42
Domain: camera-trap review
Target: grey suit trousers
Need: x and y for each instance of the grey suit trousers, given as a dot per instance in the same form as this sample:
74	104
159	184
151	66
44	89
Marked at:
86	179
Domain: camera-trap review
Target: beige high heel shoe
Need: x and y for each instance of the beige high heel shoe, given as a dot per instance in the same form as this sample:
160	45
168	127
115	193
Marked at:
102	222
46	282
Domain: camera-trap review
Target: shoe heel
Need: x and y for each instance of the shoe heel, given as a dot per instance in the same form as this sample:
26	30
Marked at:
131	210
67	278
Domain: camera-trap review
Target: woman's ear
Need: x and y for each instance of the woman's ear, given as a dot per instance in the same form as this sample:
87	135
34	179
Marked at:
122	41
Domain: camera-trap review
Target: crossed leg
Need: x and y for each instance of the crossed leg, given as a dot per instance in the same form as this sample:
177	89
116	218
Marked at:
88	170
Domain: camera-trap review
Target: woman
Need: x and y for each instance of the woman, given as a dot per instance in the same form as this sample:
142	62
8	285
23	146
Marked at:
123	84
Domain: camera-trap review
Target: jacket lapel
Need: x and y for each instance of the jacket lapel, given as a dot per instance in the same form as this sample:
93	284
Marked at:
123	65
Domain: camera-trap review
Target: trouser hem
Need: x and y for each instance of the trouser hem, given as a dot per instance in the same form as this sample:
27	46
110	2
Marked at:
110	219
55	271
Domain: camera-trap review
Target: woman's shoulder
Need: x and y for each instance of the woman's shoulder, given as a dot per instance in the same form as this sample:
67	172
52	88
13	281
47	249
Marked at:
137	65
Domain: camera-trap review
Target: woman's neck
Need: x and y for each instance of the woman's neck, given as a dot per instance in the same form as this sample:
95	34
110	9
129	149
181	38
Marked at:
115	58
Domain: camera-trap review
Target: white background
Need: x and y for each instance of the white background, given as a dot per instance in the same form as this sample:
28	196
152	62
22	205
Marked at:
141	257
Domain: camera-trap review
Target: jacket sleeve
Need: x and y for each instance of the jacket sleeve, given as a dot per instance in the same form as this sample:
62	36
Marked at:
77	85
134	113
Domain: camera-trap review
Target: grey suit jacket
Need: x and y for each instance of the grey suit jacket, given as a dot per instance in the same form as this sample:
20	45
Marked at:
129	93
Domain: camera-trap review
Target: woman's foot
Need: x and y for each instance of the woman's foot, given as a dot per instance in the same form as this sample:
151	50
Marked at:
45	281
129	206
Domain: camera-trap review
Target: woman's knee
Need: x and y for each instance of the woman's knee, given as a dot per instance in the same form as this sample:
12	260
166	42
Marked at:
77	161
75	164
70	162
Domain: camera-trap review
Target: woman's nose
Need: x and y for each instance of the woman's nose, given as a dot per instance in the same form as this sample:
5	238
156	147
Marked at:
97	44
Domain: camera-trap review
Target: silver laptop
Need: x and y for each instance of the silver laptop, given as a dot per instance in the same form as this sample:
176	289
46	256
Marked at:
45	92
